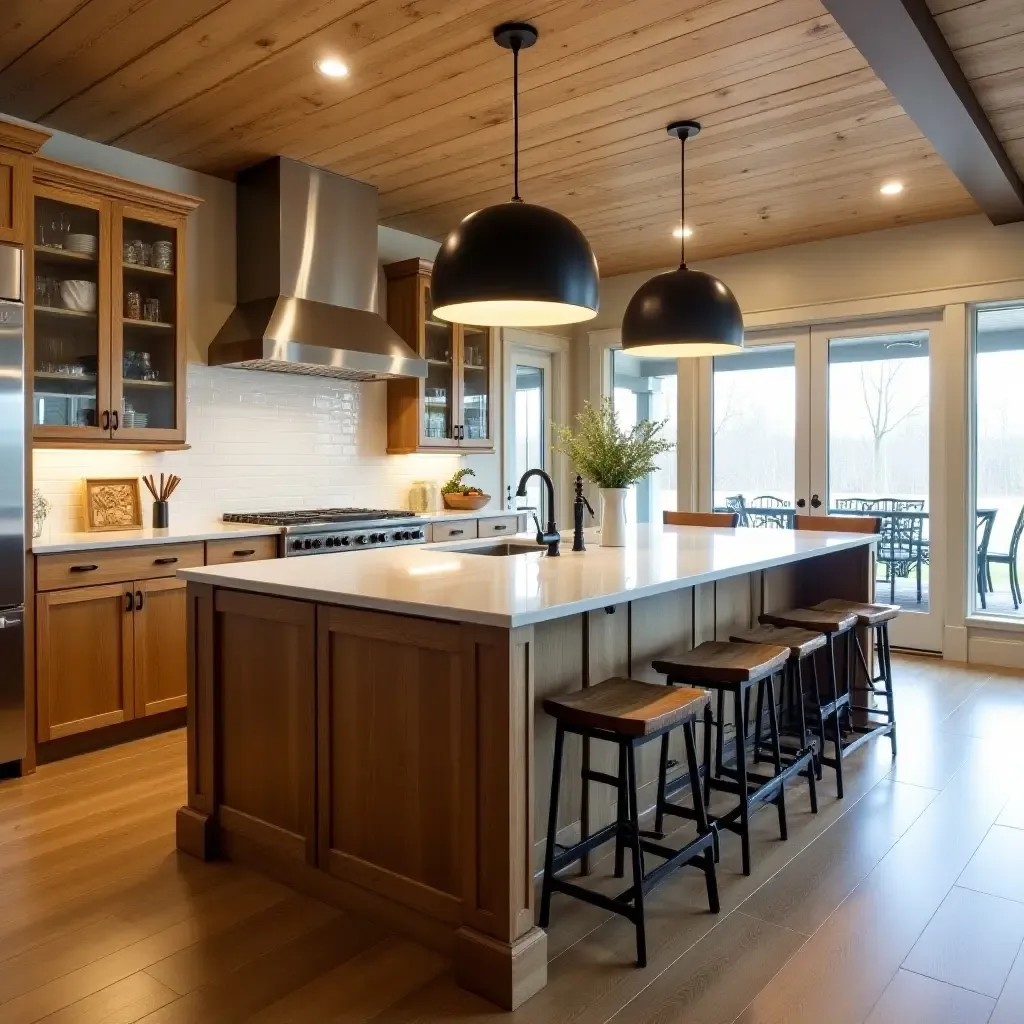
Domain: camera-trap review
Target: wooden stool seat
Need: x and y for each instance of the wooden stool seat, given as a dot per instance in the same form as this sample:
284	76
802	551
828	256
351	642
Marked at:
800	642
817	619
716	661
867	614
627	707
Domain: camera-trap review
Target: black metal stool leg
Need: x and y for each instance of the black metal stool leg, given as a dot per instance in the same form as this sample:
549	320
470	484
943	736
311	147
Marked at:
805	736
622	814
638	860
838	733
719	740
659	807
741	780
819	715
549	852
700	812
768	683
757	722
708	727
887	670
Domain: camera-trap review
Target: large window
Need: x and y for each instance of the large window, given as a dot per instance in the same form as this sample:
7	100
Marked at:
646	389
998	459
754	434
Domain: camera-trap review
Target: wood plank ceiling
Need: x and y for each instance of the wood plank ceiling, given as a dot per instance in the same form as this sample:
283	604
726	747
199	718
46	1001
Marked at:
799	133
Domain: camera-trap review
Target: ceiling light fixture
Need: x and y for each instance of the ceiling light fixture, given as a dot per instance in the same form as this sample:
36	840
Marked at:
891	188
515	264
331	67
685	232
683	312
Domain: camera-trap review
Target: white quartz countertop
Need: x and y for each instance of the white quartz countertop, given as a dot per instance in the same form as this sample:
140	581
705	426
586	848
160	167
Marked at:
491	512
443	581
55	542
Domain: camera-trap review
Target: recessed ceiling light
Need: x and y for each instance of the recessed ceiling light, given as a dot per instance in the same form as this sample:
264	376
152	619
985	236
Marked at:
331	67
682	232
891	188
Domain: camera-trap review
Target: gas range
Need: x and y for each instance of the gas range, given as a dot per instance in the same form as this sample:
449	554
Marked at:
325	530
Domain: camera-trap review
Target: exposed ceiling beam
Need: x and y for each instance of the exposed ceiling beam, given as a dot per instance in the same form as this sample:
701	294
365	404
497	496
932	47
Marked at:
906	49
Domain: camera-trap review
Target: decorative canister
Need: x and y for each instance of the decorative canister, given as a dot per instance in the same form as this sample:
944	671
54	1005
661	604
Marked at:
128	253
151	310
133	305
163	255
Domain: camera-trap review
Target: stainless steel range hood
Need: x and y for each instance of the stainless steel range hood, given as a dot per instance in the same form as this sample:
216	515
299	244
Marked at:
307	279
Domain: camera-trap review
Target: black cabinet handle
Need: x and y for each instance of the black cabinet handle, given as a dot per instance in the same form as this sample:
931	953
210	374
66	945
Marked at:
456	533
128	601
165	561
244	553
815	501
499	526
84	568
116	419
801	503
105	422
138	600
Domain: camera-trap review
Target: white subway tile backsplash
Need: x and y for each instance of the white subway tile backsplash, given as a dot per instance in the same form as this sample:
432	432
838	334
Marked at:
263	441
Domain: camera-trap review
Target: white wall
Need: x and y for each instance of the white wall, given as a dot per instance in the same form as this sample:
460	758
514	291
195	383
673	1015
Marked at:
259	440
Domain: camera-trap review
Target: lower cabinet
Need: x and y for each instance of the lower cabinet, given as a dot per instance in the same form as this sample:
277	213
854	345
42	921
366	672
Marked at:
108	654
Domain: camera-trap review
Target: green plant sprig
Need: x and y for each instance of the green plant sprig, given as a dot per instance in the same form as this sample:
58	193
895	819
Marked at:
603	452
455	485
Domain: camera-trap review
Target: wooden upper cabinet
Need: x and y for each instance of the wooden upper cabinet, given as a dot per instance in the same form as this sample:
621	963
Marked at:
107	308
18	144
453	408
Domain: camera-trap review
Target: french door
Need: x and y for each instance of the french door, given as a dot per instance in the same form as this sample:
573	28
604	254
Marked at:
837	420
528	416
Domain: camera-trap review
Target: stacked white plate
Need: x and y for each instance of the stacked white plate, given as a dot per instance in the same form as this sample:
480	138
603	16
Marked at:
85	244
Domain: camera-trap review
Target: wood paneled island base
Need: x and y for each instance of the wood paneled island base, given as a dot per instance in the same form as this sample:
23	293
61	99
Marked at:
394	764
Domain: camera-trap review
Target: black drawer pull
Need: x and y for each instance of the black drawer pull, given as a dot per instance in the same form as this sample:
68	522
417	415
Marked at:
105	422
128	601
499	527
115	419
165	561
84	568
456	533
244	553
138	600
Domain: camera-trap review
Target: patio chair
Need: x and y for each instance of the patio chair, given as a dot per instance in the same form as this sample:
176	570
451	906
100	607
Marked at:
771	520
855	504
983	534
900	551
737	503
1008	559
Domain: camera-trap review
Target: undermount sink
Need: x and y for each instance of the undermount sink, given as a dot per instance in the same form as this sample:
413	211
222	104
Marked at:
499	548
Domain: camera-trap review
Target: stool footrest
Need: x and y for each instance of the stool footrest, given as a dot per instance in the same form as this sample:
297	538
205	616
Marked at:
866	734
579	850
622	904
594	776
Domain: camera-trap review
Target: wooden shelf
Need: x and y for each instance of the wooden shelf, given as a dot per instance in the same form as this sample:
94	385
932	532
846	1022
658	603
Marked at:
51	375
56	311
132	382
141	269
158	324
470	366
446	363
63	255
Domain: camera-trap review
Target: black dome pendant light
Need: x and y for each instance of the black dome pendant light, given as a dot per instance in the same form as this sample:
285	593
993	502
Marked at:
683	312
515	264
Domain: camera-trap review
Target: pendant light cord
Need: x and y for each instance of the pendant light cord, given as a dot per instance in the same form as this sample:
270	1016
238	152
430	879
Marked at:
515	120
682	202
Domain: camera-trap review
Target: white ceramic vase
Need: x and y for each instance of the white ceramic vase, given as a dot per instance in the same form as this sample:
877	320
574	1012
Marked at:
613	517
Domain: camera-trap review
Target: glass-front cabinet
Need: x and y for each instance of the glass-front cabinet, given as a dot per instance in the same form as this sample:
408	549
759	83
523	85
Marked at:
453	407
107	313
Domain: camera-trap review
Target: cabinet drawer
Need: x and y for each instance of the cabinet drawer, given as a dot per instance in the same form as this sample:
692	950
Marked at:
114	565
453	529
497	526
243	549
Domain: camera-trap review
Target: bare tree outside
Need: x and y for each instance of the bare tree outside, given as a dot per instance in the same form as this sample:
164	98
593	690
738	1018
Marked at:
887	406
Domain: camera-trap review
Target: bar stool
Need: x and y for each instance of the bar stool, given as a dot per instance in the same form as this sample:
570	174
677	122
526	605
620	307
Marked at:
629	714
732	668
832	624
802	644
875	617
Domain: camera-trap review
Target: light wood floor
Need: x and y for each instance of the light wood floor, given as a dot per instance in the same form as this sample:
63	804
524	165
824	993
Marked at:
902	904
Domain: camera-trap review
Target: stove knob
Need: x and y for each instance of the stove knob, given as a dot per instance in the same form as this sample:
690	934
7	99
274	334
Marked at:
307	544
318	543
345	541
296	545
380	538
406	535
329	543
360	539
417	535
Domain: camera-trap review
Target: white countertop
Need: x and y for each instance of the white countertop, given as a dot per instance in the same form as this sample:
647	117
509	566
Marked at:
55	542
522	589
491	512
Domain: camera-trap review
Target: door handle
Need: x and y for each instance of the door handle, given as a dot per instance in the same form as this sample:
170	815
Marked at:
801	503
106	420
815	501
115	419
138	600
128	605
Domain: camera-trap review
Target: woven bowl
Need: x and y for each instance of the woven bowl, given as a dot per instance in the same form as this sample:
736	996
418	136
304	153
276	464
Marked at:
466	502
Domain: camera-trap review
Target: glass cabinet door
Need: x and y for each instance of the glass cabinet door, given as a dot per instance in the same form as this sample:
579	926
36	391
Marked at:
476	416
147	368
439	388
69	308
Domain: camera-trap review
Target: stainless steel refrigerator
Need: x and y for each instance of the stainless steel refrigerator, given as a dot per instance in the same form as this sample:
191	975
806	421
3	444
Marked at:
12	505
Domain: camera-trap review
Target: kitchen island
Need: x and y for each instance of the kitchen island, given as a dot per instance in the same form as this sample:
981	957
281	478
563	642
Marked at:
364	727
